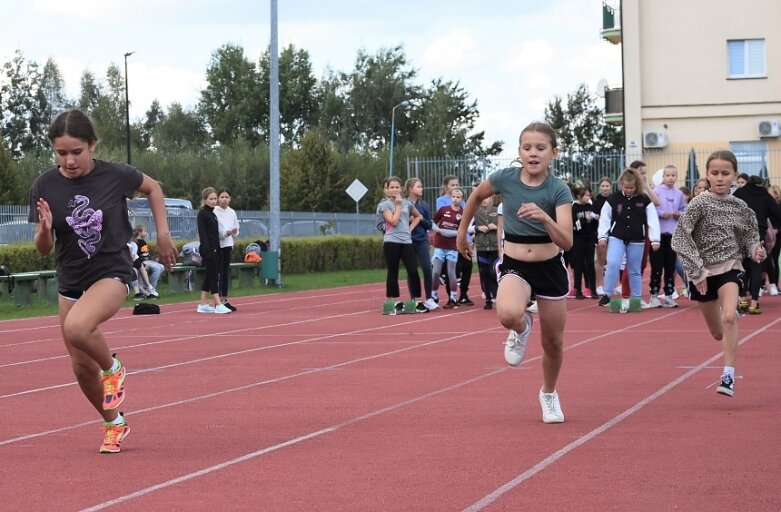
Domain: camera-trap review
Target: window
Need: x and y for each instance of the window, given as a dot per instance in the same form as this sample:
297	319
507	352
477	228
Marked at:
746	58
752	157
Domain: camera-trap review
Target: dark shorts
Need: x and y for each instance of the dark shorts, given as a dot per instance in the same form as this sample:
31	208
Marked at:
716	282
548	279
75	295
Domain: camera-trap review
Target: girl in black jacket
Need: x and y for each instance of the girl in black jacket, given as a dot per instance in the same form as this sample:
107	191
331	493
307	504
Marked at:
758	199
209	236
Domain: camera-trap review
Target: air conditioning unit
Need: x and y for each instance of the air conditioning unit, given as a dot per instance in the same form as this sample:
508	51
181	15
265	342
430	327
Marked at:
654	139
769	128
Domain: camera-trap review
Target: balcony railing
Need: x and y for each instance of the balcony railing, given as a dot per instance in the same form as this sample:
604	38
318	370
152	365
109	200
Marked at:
614	105
611	26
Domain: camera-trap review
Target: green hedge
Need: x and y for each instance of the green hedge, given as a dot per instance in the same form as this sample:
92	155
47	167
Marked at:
297	255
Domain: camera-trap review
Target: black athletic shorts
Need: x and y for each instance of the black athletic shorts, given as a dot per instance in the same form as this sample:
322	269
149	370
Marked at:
548	279
716	282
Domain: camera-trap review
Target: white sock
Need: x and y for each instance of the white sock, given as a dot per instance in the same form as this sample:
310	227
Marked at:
729	370
119	420
115	366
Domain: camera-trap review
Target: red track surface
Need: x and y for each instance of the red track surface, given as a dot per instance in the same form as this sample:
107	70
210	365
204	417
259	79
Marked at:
314	401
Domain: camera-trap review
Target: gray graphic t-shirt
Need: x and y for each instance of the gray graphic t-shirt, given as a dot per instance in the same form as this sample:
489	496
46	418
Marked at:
90	221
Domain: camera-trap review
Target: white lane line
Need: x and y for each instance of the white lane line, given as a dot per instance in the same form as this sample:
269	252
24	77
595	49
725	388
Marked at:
543	464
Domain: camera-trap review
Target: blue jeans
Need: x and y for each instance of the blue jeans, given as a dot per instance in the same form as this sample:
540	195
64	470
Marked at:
616	250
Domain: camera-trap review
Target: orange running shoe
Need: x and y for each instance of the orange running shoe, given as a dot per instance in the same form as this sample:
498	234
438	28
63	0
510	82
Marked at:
113	388
113	435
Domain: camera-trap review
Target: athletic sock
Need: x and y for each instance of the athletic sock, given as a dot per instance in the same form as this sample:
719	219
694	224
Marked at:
730	370
119	420
114	366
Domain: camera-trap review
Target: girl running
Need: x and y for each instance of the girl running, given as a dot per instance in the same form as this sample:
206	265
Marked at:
715	233
537	227
80	208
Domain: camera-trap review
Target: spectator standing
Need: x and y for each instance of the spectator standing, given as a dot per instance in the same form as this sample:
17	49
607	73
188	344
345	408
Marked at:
228	225
486	246
605	189
764	207
775	252
672	204
584	225
401	217
622	228
446	221
414	192
209	237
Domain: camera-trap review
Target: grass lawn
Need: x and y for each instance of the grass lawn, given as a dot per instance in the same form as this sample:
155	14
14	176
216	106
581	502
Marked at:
292	283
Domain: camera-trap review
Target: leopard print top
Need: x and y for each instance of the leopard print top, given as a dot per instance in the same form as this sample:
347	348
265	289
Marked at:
714	230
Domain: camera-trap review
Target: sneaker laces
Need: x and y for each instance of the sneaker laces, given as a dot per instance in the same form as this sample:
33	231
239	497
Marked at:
550	403
113	433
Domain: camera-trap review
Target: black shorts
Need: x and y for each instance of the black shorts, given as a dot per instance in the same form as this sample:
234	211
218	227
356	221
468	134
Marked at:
716	282
75	295
548	279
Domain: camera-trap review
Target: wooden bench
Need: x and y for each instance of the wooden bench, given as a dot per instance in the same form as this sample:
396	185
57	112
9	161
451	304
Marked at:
247	273
20	286
178	275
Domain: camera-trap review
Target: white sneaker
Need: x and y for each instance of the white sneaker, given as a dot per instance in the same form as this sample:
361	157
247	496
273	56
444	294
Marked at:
668	302
675	295
773	290
222	309
205	308
654	303
551	408
430	304
515	346
600	291
532	307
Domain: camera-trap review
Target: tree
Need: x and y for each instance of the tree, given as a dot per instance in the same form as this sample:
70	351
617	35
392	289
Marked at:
298	94
444	122
371	90
152	118
582	131
22	121
10	184
53	89
313	180
180	130
231	102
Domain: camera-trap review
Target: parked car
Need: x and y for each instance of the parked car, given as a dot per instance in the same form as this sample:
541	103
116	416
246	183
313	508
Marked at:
182	218
16	231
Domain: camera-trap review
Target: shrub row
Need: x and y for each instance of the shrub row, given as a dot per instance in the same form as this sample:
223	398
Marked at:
297	255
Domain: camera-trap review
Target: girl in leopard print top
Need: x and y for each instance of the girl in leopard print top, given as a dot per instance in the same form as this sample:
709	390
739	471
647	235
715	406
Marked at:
713	236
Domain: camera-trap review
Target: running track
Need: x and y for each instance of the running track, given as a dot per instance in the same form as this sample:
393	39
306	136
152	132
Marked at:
314	401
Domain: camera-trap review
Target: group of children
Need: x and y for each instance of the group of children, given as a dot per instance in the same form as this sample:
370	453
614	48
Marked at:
80	210
707	241
406	222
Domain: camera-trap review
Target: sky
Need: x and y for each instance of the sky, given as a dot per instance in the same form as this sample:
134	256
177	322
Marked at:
511	56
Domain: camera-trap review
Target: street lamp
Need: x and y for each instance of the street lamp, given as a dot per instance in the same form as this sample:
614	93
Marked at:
404	103
127	110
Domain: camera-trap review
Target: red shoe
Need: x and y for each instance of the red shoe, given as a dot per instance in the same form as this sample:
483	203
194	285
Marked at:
572	293
588	293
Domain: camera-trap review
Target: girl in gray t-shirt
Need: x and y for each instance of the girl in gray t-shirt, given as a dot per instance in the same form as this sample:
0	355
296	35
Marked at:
400	218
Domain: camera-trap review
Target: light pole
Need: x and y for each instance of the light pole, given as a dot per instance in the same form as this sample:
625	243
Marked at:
404	103
127	110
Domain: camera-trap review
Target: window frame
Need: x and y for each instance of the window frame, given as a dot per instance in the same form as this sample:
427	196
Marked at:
746	73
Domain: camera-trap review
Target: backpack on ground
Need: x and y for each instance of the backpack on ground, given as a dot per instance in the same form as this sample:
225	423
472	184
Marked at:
191	254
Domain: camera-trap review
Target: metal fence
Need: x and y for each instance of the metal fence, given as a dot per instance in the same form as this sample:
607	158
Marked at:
182	223
753	159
